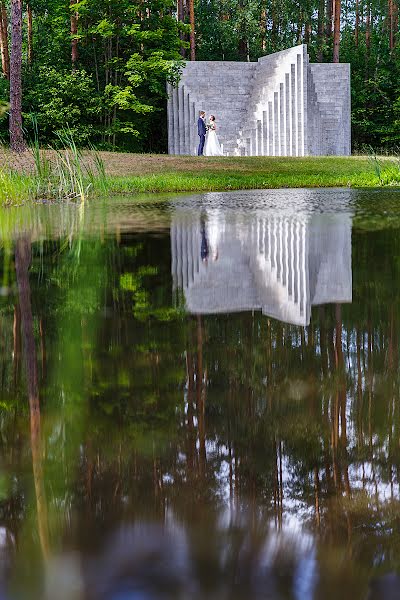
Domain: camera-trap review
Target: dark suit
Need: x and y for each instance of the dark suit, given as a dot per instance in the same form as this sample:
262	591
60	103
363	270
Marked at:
201	130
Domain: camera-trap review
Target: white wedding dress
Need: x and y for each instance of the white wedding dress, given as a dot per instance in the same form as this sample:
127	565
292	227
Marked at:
212	146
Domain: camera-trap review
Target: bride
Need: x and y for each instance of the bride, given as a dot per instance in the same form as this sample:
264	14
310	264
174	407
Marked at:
212	146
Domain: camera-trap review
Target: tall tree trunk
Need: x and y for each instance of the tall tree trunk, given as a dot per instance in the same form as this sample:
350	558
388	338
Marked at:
242	49
393	23
180	10
368	30
74	33
320	35
16	135
329	20
22	263
336	31
357	23
299	35
5	53
307	33
263	28
274	30
192	31
30	34
181	18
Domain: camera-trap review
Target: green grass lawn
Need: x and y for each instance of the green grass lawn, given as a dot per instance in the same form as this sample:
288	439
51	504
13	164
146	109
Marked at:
150	173
140	173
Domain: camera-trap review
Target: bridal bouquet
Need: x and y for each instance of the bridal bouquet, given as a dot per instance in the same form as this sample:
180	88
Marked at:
210	127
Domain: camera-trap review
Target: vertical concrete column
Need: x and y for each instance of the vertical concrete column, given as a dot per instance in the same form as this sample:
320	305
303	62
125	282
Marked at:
270	130
181	119
259	137
248	146
275	114
265	149
282	139
176	119
253	142
304	83
300	105
287	114
170	115
187	122
193	129
293	90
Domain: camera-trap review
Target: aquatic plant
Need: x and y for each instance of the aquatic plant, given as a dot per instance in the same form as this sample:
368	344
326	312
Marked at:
388	171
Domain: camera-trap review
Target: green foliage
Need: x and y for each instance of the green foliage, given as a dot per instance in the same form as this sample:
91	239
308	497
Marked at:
248	29
115	95
58	98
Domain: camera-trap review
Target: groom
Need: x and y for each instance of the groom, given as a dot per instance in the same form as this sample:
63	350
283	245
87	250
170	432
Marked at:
201	130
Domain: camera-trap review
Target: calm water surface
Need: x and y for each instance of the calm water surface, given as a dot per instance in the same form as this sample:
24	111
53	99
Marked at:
200	398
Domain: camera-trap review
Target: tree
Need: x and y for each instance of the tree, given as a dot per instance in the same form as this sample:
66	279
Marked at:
192	31
74	33
336	31
125	51
16	134
5	54
30	34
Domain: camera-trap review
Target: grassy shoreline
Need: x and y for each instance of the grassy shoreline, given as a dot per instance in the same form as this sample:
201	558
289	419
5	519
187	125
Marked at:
33	177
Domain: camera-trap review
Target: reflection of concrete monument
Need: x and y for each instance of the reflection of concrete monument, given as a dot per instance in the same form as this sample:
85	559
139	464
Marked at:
259	260
279	106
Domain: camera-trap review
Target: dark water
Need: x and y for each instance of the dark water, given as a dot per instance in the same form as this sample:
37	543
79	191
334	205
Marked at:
200	398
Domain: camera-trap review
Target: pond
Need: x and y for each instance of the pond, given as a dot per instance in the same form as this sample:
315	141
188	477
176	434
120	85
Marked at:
200	397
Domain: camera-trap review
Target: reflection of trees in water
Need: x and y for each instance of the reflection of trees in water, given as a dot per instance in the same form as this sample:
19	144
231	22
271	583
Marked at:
22	263
212	418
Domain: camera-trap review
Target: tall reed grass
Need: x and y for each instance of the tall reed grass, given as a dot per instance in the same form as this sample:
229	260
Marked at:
387	172
65	173
58	173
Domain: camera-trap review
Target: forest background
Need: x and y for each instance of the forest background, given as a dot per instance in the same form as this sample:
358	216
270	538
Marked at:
100	66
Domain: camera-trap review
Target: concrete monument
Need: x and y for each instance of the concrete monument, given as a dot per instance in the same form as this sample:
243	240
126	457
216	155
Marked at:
281	105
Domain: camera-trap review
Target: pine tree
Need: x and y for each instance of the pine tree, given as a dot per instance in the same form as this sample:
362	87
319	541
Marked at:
17	141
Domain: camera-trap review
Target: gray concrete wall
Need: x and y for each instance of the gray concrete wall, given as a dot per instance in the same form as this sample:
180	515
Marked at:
280	106
329	108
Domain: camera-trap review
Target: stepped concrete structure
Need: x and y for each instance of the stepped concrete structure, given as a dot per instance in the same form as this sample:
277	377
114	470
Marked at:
226	261
281	105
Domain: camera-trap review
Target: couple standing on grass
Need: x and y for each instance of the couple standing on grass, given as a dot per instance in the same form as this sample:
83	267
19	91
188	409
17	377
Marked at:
209	144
